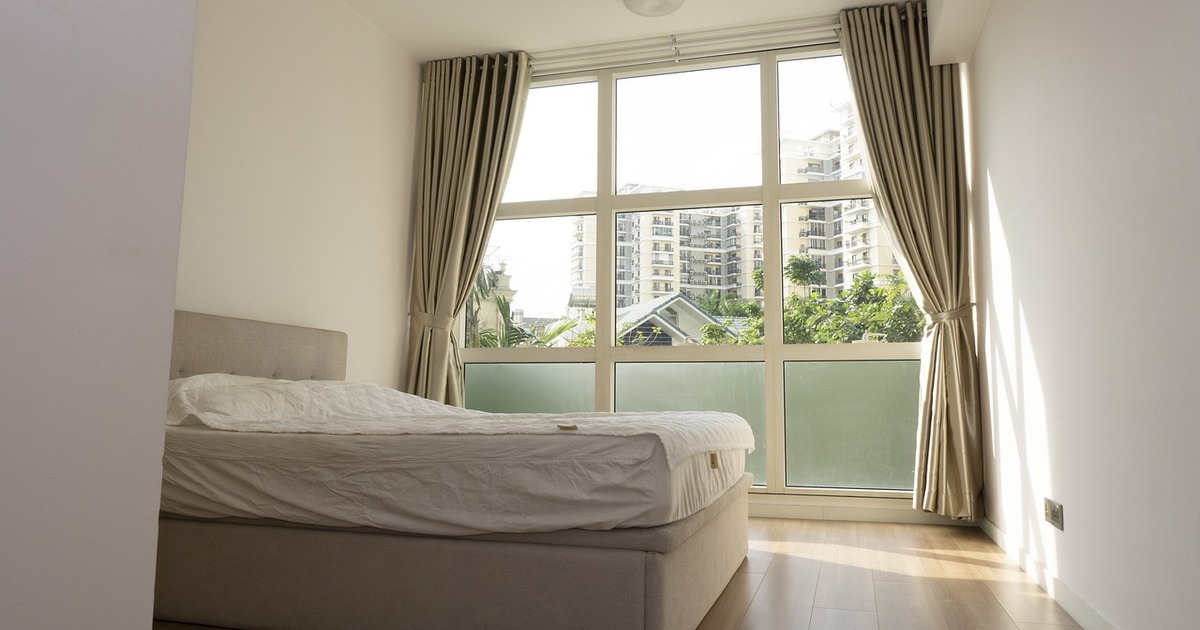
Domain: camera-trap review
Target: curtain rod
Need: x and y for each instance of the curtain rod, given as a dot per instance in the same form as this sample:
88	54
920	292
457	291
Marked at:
686	46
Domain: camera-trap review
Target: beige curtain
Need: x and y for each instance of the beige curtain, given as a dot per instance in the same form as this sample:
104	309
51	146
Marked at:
471	109
912	125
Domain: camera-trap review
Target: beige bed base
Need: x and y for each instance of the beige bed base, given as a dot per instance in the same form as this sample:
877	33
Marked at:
248	573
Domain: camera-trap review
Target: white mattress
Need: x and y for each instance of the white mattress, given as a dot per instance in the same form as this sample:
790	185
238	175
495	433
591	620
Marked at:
439	484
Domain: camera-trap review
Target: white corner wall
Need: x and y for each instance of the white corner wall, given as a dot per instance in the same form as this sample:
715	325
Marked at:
299	175
1085	187
93	133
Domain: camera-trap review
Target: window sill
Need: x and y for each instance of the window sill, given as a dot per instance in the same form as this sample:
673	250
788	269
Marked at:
828	507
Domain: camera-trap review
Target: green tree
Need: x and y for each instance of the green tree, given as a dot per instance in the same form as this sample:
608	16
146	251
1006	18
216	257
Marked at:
550	333
882	305
718	304
508	335
716	335
885	307
485	282
585	337
804	271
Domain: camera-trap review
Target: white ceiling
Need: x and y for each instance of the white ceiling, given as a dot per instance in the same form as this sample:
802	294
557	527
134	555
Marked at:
437	29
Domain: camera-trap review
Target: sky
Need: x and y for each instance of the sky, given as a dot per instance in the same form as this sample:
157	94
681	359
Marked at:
688	130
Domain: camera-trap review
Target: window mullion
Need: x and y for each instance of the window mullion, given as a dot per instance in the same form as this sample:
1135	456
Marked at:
605	240
772	273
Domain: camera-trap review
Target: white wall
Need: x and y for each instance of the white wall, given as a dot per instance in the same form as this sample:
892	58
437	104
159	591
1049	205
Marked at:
299	175
93	132
1086	192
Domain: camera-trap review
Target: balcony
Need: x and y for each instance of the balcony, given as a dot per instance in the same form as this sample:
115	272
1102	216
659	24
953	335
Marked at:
857	227
857	245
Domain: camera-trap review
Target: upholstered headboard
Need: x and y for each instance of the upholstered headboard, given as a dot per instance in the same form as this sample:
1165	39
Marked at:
211	343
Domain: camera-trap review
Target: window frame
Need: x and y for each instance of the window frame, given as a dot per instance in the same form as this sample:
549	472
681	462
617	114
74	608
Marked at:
606	205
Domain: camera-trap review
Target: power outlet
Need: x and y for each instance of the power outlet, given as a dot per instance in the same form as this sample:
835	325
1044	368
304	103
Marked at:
1054	513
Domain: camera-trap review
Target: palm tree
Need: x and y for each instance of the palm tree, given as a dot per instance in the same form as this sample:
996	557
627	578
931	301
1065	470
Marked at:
510	335
485	282
546	336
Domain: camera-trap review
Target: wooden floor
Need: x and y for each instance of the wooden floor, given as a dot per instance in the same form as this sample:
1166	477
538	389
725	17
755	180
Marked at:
824	575
832	575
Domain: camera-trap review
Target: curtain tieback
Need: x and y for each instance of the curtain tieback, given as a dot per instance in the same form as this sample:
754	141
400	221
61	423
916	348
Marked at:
432	320
952	314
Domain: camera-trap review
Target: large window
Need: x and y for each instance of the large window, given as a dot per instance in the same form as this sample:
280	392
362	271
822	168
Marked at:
702	237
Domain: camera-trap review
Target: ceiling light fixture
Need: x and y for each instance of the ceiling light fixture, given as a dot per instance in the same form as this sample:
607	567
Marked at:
653	8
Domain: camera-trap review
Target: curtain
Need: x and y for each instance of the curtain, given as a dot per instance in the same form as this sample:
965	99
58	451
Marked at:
471	110
911	117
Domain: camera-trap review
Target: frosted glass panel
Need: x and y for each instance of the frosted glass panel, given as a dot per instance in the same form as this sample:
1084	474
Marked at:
733	387
531	387
851	424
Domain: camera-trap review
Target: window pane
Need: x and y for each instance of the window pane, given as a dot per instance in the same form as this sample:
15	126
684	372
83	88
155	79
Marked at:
818	126
530	387
687	277
689	131
841	281
556	151
733	387
537	285
851	424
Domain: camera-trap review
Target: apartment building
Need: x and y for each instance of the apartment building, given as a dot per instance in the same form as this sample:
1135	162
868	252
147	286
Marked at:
696	250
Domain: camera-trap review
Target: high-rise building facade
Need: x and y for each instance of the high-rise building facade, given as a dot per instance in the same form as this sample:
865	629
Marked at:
694	251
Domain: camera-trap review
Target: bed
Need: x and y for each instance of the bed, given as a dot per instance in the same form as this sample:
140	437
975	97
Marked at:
303	572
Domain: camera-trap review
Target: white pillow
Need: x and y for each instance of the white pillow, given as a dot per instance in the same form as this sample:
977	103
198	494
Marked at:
179	385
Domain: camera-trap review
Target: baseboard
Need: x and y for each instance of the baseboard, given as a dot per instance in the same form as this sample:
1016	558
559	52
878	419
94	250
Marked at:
1076	606
836	508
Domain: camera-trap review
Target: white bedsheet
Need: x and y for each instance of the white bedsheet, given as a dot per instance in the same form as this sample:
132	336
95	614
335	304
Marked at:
341	408
439	484
352	454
